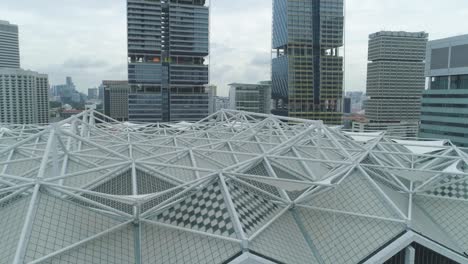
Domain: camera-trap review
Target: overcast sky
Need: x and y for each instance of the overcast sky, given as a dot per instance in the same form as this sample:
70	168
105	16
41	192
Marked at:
86	39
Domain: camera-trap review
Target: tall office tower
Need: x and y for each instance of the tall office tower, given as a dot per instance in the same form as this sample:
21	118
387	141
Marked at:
24	97
212	91
395	82
307	65
116	99
92	93
101	92
254	98
444	112
347	105
9	45
167	59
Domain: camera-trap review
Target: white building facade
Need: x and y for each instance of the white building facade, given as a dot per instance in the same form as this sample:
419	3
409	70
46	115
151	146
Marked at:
23	97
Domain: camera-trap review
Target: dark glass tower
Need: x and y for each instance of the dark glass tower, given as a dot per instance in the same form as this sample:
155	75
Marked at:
167	65
307	67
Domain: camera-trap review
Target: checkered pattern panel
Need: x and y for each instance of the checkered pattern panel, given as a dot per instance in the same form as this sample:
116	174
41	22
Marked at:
160	199
204	211
253	210
453	187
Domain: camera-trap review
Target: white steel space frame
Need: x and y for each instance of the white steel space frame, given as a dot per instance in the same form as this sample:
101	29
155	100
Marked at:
272	136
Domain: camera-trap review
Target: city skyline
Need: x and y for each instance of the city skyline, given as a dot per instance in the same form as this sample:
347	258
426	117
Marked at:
69	43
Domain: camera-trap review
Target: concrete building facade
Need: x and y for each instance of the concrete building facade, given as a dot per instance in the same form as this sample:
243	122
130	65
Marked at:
167	59
444	112
395	82
9	45
24	97
254	98
307	65
116	103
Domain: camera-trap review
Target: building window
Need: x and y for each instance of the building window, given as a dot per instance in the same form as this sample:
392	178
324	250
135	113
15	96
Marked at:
439	83
459	82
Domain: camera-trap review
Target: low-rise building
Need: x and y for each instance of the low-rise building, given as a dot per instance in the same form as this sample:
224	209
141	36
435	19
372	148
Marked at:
254	98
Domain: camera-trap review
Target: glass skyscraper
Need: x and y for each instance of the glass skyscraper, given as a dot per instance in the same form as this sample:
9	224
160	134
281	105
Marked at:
307	65
167	59
444	112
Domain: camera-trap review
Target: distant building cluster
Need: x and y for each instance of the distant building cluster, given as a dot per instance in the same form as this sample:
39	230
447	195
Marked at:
358	100
67	93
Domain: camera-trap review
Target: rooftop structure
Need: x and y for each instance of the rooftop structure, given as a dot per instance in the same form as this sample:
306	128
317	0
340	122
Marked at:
235	187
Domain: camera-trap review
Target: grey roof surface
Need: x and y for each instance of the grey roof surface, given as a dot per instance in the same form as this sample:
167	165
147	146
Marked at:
90	189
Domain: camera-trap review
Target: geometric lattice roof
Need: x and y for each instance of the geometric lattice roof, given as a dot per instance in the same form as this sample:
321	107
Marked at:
94	190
